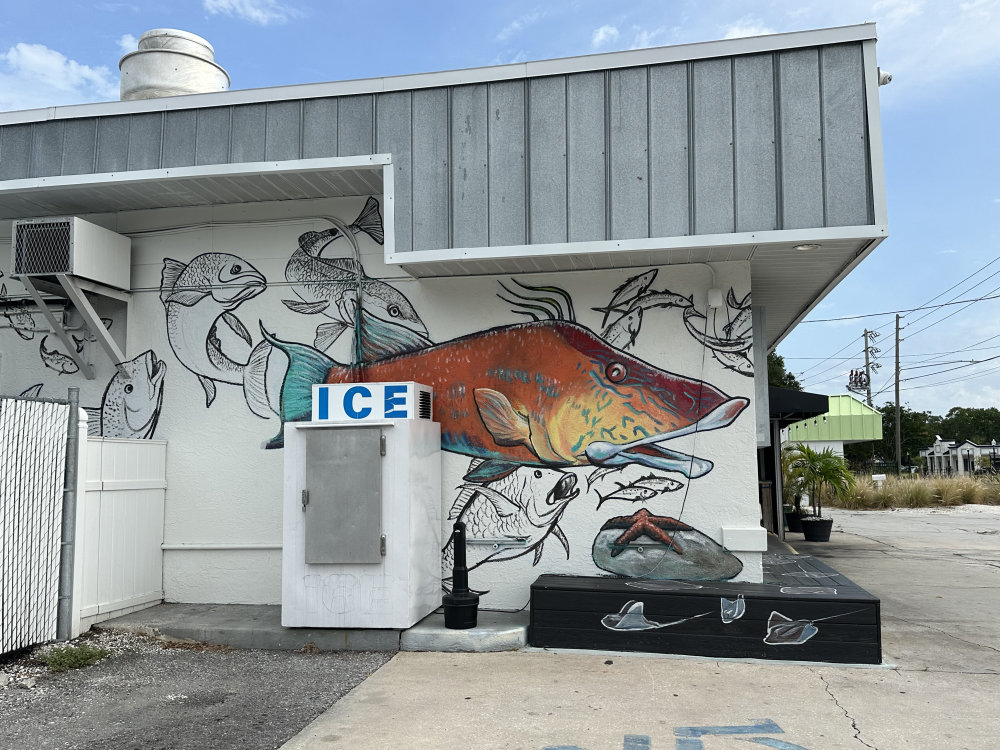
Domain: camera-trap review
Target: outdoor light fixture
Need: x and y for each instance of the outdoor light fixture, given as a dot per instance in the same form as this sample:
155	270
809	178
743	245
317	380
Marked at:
806	246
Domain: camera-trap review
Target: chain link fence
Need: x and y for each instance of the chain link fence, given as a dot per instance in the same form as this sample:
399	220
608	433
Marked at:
33	450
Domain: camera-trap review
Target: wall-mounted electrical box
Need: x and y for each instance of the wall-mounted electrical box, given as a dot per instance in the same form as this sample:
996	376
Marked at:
362	523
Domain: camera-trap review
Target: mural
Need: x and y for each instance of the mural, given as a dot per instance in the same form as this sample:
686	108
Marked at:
568	412
196	298
525	507
631	618
732	609
643	545
730	346
130	407
385	323
55	360
547	393
18	318
784	631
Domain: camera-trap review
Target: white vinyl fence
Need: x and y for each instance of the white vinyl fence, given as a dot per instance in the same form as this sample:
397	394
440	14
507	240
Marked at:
120	529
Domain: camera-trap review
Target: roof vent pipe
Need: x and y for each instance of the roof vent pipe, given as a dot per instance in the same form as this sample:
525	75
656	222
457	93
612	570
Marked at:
170	62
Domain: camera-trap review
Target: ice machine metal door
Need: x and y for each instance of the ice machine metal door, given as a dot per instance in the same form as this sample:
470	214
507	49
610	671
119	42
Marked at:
343	508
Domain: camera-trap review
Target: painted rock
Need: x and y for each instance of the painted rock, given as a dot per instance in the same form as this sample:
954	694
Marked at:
646	546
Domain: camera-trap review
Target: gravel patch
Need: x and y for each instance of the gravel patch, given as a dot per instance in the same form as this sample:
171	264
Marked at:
169	694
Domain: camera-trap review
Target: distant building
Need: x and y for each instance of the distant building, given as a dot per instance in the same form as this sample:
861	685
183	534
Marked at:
948	457
847	421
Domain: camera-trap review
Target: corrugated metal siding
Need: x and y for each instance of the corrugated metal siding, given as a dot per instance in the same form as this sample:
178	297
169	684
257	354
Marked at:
756	142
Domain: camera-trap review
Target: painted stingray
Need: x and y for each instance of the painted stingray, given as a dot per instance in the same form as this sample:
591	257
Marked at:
632	617
547	393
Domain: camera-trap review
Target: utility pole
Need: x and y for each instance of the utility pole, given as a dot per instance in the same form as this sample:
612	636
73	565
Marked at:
899	442
868	372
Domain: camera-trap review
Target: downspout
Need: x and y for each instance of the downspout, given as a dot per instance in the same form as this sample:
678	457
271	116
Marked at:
64	615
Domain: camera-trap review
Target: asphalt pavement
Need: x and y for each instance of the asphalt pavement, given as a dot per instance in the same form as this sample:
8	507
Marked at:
936	572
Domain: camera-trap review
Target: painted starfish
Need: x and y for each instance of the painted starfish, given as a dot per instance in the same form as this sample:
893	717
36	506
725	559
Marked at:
644	523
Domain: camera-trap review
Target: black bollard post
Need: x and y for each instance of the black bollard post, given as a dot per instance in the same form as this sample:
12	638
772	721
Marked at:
461	606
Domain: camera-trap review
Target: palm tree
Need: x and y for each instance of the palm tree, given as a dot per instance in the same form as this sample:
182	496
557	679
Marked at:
814	469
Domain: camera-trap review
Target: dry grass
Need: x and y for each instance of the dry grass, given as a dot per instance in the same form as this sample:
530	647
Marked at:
917	492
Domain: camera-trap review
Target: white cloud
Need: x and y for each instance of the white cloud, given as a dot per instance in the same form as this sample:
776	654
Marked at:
261	12
746	26
518	25
649	37
32	75
895	12
951	251
128	43
604	35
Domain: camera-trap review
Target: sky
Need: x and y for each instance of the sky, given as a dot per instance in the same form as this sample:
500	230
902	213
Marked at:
939	127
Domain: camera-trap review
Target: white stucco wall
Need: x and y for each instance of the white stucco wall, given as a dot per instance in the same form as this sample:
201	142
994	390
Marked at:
222	526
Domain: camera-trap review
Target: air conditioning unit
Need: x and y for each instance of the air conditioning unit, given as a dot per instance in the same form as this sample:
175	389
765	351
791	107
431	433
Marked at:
68	245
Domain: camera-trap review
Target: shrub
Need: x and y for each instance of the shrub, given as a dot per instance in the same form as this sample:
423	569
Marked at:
912	492
62	658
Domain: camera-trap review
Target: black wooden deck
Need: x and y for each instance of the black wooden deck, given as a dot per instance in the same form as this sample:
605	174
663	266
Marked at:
803	611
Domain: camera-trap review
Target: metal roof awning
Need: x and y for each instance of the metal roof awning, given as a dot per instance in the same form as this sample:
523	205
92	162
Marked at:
193	186
788	406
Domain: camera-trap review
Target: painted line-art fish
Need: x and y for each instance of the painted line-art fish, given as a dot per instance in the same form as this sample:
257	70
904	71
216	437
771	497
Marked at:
198	296
512	508
547	393
21	321
34	391
56	360
642	489
624	296
130	407
631	617
386	323
623	332
731	347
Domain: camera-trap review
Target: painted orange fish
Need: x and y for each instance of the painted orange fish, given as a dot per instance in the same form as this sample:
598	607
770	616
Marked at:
547	393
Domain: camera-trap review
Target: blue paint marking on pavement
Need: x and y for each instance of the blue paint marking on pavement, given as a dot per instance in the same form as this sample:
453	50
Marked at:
637	742
779	744
764	725
684	743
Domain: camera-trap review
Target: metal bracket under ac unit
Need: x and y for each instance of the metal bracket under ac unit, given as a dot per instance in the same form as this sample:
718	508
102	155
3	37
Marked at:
73	288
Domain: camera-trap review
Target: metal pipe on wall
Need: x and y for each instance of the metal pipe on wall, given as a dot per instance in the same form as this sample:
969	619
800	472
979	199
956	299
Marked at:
64	614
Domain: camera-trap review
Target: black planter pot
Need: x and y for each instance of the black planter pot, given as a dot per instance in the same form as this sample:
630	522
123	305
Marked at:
817	529
794	522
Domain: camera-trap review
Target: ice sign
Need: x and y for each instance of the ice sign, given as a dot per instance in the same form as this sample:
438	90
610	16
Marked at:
365	402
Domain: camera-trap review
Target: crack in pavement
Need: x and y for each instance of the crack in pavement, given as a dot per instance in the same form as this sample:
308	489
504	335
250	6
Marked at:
944	632
854	723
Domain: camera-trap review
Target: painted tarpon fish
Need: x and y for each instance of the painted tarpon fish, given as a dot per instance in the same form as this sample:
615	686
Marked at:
196	297
388	323
527	504
131	404
547	393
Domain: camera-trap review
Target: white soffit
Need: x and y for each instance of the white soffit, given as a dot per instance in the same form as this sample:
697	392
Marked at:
786	281
193	186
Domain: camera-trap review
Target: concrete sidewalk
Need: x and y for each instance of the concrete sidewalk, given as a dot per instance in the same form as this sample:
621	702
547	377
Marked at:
938	576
